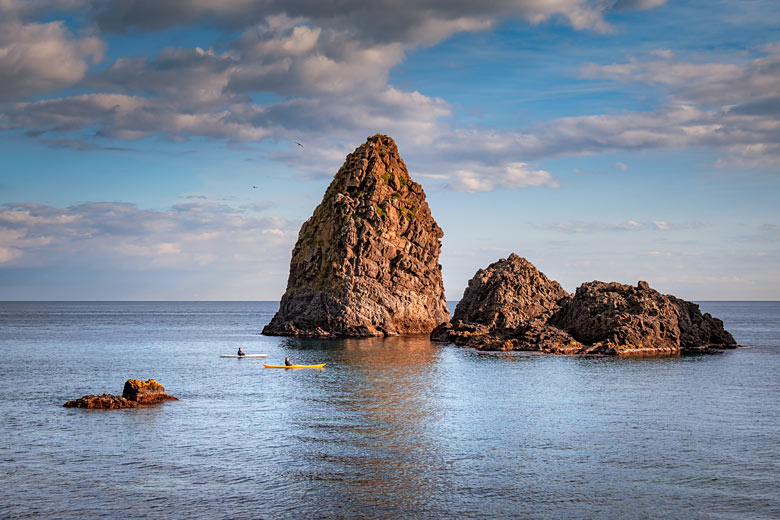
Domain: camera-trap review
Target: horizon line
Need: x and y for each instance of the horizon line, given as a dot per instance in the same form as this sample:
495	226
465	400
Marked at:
278	301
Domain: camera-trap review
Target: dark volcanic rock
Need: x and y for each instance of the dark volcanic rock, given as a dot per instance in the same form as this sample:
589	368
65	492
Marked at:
500	302
367	261
698	329
508	293
136	392
638	319
512	306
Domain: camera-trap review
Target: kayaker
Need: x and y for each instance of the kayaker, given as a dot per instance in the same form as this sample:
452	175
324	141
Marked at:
287	362
240	352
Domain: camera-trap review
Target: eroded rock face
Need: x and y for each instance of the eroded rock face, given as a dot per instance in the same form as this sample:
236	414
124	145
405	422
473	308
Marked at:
507	294
144	392
367	261
136	392
638	319
508	300
512	306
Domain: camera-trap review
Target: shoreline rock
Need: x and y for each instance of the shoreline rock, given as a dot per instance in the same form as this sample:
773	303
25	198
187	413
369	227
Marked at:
135	393
367	261
598	319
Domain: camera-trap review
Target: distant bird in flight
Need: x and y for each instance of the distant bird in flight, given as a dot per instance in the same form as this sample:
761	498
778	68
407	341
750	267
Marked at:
299	144
255	187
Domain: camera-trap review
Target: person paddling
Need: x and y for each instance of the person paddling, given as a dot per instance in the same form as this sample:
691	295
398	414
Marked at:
240	352
287	362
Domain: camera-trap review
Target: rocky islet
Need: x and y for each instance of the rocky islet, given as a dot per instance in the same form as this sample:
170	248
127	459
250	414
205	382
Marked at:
366	264
367	261
599	318
135	392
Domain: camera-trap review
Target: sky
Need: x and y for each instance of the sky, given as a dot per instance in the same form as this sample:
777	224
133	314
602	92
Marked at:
148	149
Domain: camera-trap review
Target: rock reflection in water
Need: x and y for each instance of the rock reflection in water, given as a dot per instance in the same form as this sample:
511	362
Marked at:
376	428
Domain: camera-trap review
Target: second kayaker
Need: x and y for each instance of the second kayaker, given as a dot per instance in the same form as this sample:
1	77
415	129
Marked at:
240	352
287	362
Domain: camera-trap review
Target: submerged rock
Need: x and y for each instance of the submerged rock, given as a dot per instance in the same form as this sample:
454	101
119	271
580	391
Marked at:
136	392
367	261
512	306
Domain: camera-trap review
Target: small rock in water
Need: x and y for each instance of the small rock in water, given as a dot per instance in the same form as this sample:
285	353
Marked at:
135	392
144	392
106	401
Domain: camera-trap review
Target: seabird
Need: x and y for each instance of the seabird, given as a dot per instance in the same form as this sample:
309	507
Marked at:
299	144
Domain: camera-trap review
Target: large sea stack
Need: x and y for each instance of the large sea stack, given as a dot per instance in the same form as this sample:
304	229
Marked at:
367	261
511	305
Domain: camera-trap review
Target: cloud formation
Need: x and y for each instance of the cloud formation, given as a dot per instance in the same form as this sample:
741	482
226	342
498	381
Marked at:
703	83
512	175
185	236
324	68
38	58
590	227
726	106
415	22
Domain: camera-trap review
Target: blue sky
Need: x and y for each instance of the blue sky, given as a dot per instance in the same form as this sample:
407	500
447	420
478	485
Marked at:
611	140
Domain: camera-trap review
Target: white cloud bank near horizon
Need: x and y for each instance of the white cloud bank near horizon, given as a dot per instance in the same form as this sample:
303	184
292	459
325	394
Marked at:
219	241
250	251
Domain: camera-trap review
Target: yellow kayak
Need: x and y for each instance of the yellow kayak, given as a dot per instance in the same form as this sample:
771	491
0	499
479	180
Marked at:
295	366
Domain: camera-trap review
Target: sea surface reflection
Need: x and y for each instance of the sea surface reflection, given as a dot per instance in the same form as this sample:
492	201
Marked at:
391	428
367	436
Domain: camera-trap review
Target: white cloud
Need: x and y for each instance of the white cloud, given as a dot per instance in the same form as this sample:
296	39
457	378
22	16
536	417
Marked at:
509	176
331	79
184	236
638	4
286	57
8	253
728	106
663	53
40	58
133	117
661	224
587	227
702	83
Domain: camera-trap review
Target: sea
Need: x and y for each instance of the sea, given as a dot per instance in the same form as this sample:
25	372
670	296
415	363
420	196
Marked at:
391	428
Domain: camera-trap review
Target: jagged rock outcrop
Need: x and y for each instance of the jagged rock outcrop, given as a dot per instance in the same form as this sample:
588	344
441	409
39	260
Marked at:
638	320
136	392
512	306
144	392
500	302
367	261
508	293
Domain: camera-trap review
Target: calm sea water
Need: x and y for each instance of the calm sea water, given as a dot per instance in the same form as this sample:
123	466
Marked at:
394	428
